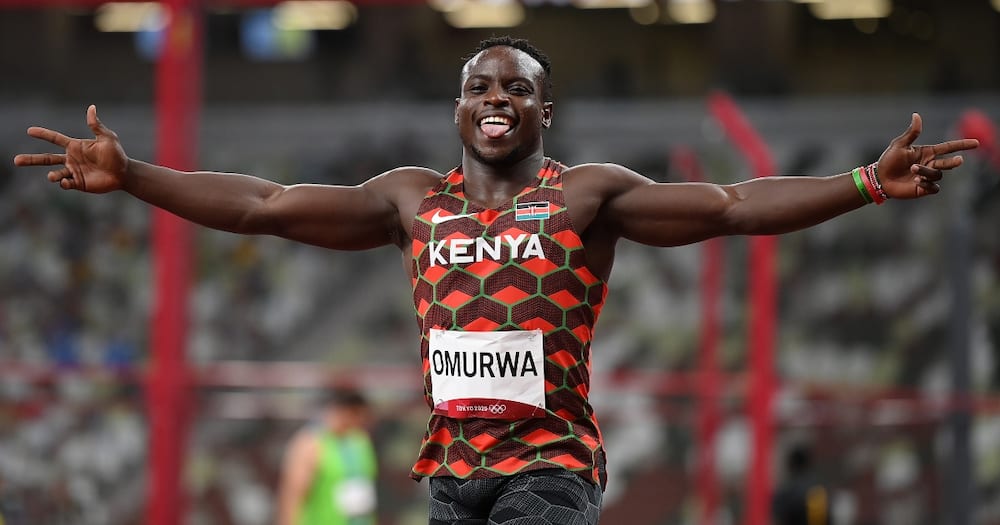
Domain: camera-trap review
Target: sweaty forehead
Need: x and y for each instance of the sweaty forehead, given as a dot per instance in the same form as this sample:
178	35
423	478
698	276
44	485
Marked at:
503	61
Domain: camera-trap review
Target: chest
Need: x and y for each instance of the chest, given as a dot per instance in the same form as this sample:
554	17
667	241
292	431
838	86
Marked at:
451	231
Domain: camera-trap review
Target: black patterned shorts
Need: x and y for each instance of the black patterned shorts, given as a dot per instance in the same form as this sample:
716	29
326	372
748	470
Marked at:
538	497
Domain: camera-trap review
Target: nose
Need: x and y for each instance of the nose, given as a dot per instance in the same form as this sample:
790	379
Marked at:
497	97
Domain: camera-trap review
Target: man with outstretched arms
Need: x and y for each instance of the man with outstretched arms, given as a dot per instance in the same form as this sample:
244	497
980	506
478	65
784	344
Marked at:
509	255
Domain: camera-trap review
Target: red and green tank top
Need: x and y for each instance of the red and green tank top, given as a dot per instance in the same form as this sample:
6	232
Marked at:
518	267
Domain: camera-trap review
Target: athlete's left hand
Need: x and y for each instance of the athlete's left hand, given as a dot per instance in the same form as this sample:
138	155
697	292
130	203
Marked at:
908	171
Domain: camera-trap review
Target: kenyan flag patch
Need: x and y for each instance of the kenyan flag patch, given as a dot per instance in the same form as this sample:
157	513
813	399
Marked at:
531	211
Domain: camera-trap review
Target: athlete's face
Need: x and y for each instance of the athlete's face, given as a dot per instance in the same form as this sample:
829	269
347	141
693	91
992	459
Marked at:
501	112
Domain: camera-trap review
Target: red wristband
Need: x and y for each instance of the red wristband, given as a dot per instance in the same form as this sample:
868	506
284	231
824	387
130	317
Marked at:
872	183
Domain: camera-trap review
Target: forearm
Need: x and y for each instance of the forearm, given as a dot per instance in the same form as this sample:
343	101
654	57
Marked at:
774	205
224	201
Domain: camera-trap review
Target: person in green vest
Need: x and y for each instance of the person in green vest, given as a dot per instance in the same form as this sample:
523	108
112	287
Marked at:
329	469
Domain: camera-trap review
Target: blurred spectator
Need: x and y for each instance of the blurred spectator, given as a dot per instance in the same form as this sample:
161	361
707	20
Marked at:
801	498
329	468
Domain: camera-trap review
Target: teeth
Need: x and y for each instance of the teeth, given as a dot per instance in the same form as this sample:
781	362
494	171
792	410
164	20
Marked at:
495	120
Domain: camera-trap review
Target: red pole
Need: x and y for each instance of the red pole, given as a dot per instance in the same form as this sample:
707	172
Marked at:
709	416
709	384
762	380
177	108
762	318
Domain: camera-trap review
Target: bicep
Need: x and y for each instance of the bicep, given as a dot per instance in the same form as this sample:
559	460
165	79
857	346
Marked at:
338	217
671	214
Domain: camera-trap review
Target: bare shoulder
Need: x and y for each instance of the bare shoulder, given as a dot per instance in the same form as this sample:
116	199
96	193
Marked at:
403	184
589	188
601	181
304	443
604	175
403	189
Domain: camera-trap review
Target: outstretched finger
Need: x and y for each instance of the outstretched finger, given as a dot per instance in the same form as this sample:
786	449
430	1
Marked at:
39	159
95	123
954	145
49	135
910	135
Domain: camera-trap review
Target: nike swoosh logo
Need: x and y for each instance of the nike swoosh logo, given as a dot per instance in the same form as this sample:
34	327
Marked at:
437	218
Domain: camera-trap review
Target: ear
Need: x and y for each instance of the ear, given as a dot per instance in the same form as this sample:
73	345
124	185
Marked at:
546	115
456	110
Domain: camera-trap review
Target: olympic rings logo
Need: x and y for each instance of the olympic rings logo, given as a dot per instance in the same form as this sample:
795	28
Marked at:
498	408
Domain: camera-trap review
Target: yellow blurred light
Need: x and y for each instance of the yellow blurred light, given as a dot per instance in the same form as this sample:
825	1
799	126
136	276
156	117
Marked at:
646	15
845	9
314	15
691	11
610	4
996	4
130	17
478	14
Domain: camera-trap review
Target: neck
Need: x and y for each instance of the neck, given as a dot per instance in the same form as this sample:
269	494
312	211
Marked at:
491	184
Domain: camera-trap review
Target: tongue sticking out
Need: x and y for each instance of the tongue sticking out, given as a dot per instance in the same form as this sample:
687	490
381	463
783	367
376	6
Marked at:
494	131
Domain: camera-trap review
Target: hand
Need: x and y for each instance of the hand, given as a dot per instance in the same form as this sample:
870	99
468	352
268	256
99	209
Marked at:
909	171
97	165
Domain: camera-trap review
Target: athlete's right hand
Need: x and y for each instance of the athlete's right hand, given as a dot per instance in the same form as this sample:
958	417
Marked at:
97	165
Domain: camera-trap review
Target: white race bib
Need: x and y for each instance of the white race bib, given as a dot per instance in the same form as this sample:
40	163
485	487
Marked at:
355	497
496	375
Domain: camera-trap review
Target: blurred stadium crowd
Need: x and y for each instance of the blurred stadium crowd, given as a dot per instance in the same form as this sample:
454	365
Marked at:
862	349
864	314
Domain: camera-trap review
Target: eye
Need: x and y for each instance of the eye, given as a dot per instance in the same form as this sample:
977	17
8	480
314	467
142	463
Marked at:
519	90
476	88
